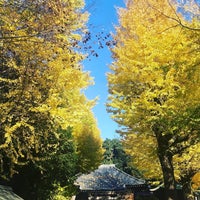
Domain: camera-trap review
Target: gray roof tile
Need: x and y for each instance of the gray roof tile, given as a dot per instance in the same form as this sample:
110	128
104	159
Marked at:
6	193
107	177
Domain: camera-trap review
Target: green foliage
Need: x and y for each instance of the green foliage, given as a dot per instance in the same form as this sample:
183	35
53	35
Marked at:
115	154
59	194
61	168
54	176
51	176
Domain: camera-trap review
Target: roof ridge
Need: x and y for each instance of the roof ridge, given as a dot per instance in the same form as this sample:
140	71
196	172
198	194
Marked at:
129	175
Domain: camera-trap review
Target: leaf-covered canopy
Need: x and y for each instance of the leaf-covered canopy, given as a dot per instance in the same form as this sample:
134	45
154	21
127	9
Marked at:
154	83
41	77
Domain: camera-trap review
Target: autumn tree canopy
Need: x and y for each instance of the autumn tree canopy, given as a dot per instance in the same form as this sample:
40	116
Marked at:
88	143
41	78
154	84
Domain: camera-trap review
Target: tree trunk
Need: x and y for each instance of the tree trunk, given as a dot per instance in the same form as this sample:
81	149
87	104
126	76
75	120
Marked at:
168	175
186	183
188	192
165	157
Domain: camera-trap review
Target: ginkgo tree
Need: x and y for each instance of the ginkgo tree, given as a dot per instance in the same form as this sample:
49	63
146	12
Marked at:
154	84
88	142
41	78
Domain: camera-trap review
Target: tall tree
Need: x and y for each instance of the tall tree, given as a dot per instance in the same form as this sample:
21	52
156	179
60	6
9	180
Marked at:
88	143
115	154
154	84
41	79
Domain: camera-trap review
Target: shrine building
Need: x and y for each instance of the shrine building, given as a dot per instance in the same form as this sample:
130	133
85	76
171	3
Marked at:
108	182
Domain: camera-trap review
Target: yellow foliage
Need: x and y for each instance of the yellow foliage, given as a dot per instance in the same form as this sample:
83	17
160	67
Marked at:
188	161
88	142
196	181
147	162
154	82
41	77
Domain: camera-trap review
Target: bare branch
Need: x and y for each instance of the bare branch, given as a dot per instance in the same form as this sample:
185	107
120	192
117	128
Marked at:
174	11
178	20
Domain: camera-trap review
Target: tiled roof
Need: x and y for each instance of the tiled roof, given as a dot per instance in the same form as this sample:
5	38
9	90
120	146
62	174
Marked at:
6	193
107	177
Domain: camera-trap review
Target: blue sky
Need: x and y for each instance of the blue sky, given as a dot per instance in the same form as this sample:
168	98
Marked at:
103	17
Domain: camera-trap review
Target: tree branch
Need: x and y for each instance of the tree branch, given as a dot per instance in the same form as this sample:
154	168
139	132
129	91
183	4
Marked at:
178	20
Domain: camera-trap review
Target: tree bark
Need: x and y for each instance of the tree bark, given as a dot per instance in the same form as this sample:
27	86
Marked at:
165	158
188	192
168	176
186	183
